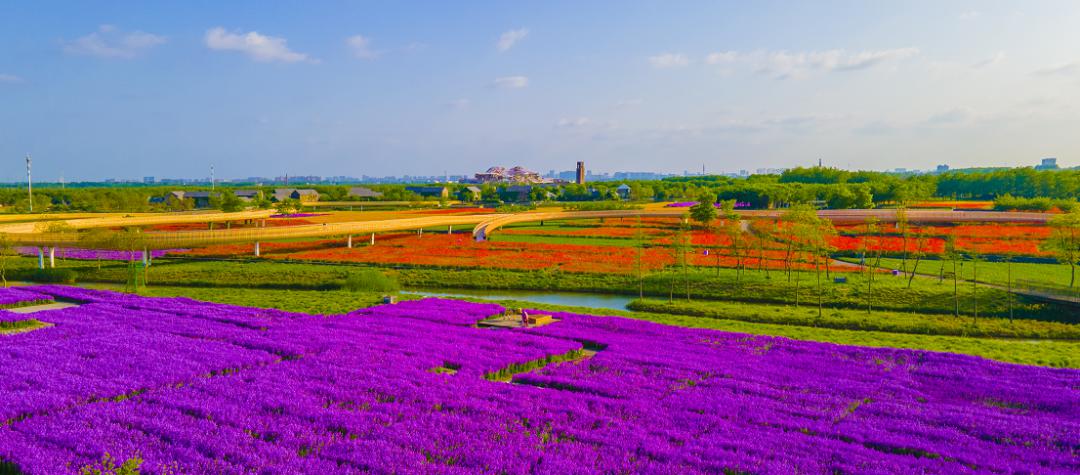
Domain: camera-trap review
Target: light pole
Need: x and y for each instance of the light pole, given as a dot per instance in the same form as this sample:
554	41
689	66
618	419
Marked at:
29	184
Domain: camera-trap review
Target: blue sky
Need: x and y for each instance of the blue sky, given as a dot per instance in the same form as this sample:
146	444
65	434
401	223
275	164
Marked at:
126	89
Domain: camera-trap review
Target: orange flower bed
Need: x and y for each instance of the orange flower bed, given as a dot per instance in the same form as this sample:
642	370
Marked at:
461	251
614	232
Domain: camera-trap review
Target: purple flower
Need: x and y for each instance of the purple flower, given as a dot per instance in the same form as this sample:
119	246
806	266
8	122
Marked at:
194	387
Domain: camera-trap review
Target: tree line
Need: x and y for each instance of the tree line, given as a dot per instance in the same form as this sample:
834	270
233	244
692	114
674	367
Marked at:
1012	188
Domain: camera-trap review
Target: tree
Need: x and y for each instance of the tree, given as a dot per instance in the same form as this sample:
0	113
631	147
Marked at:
903	226
98	238
7	250
974	253
704	212
132	241
231	203
870	243
921	241
288	206
952	255
1064	241
734	231
801	225
639	245
815	235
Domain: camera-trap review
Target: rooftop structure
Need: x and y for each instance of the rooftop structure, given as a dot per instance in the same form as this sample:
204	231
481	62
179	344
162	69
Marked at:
517	174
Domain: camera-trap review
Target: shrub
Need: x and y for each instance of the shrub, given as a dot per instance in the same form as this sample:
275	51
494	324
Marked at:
50	276
370	280
600	206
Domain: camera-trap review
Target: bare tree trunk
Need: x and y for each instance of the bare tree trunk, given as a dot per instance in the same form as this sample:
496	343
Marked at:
956	290
1008	267
911	276
975	289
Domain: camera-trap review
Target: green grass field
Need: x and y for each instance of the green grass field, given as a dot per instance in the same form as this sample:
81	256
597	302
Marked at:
996	273
888	293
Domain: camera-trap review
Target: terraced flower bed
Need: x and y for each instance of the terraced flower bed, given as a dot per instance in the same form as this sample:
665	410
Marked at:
11	297
192	387
458	250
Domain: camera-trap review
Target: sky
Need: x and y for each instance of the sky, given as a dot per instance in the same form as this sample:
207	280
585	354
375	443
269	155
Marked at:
121	89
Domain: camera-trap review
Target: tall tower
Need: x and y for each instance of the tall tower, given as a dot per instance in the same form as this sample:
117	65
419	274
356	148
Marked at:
29	184
580	173
211	176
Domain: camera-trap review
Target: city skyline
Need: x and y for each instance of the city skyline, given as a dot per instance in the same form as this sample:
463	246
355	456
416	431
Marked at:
127	90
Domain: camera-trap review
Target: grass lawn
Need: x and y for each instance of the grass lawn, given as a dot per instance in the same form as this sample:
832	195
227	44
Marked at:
1056	275
891	322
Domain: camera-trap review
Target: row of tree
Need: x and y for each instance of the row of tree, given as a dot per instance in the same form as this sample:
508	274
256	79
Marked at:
830	187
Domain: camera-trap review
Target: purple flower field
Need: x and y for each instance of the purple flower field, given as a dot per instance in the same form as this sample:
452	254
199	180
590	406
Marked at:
297	215
92	254
687	204
16	296
194	387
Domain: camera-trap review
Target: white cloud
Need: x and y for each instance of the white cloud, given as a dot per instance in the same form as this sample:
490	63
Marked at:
258	47
997	58
508	39
108	42
9	78
628	103
970	15
669	60
1063	69
361	47
722	57
511	82
784	64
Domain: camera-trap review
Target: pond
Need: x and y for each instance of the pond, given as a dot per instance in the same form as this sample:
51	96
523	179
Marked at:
575	299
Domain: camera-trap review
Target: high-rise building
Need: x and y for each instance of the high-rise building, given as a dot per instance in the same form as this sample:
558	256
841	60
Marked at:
580	173
1047	164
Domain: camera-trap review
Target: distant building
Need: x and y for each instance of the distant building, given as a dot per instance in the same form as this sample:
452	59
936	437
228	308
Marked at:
302	195
519	193
623	191
515	175
364	192
638	176
1047	164
148	180
282	194
305	195
580	176
248	196
201	199
942	169
426	191
473	193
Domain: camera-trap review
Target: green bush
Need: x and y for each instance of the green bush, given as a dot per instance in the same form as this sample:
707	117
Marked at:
370	280
891	322
49	276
